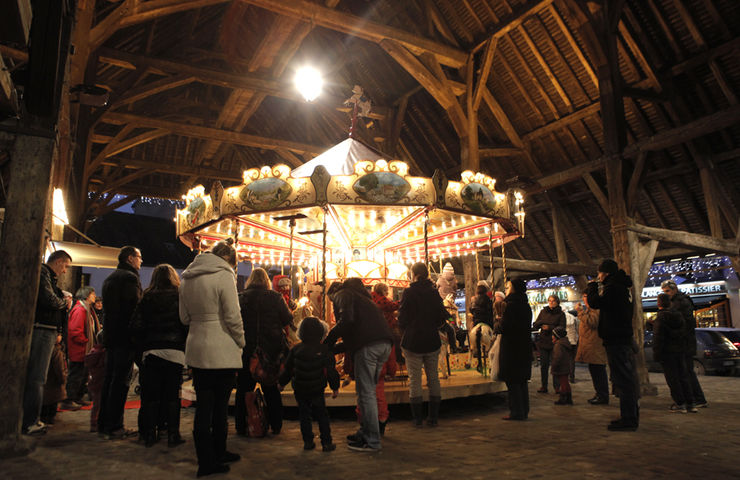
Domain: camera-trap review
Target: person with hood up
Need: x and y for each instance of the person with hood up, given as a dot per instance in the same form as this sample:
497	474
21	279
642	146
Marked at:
612	297
561	359
209	305
421	315
515	355
550	317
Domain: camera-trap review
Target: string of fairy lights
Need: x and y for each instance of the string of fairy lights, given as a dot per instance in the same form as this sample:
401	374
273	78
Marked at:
692	270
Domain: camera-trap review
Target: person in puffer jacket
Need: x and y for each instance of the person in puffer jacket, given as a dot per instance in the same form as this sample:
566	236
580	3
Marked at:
310	365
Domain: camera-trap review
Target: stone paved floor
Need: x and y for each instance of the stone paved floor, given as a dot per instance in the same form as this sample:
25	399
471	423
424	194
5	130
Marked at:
472	442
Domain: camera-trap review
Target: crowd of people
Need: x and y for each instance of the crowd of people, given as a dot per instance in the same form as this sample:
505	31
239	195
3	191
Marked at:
227	339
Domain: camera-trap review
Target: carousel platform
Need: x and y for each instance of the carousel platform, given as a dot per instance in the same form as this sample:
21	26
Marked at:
461	383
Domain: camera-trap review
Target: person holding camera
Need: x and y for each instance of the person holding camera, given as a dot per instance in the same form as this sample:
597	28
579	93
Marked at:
611	296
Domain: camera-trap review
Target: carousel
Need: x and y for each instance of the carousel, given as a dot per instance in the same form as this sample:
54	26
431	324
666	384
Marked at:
350	212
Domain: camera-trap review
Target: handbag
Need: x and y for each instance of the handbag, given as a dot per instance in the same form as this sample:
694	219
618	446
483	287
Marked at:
494	358
263	369
256	413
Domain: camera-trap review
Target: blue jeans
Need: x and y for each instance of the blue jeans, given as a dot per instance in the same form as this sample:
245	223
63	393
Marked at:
414	363
42	346
369	362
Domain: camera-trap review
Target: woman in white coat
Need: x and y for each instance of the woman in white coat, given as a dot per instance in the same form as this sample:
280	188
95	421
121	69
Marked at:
210	306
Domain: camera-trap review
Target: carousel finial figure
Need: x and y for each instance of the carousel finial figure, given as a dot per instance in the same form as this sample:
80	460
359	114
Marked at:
361	106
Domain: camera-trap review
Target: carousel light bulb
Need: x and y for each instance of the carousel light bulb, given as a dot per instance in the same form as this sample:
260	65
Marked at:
308	81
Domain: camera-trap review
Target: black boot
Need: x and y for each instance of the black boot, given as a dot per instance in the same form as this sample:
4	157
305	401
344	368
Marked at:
219	450
381	427
150	438
417	411
173	424
562	400
204	450
433	411
569	398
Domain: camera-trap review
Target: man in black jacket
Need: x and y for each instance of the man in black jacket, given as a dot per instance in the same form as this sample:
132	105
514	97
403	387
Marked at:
121	293
368	339
47	325
681	303
615	329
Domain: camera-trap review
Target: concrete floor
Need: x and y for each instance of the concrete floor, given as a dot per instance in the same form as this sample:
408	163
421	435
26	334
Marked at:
471	442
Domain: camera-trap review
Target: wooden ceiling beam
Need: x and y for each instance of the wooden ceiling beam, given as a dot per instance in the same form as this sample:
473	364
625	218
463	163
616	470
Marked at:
176	169
362	28
206	133
429	79
501	151
540	266
563	122
697	128
718	245
515	20
222	78
153	88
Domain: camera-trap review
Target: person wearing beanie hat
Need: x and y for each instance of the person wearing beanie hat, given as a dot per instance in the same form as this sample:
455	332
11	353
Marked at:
615	329
608	266
447	282
561	364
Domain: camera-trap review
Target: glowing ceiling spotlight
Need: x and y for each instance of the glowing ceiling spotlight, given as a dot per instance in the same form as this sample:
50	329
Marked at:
308	81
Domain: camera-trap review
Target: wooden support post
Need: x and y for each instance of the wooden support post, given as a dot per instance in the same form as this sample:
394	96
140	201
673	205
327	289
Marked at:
707	185
641	259
559	240
21	248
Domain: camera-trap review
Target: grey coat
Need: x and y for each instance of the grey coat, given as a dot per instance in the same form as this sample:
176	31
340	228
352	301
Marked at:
210	306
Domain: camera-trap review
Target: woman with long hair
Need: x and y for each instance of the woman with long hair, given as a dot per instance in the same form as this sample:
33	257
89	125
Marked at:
264	315
160	337
210	306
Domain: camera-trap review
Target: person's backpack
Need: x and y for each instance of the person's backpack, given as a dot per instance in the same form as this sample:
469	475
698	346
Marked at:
256	414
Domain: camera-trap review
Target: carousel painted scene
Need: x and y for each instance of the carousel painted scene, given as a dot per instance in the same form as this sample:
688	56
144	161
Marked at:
350	212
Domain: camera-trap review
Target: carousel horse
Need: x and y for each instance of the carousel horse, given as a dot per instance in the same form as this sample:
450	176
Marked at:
480	339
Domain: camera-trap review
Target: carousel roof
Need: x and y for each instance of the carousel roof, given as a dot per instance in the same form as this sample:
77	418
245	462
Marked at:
339	159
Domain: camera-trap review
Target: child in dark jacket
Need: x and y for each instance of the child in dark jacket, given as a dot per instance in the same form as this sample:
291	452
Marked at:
561	359
669	340
54	388
310	365
95	364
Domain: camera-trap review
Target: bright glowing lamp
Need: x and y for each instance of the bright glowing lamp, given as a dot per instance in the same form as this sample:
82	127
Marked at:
59	212
308	81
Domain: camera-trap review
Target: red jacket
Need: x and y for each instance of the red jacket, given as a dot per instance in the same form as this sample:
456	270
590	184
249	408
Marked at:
81	334
387	306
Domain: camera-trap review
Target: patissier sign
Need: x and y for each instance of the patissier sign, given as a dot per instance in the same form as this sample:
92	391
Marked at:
708	288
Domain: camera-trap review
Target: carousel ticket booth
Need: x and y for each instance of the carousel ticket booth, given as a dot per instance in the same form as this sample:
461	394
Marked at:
350	213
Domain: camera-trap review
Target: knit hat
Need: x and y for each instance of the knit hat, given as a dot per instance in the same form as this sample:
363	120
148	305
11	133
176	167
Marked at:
559	332
482	282
608	266
498	294
448	268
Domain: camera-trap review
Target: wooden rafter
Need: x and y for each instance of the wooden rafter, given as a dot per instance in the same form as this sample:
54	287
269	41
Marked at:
362	28
196	131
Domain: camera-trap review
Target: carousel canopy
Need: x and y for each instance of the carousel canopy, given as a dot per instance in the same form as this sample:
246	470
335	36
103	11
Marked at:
377	213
